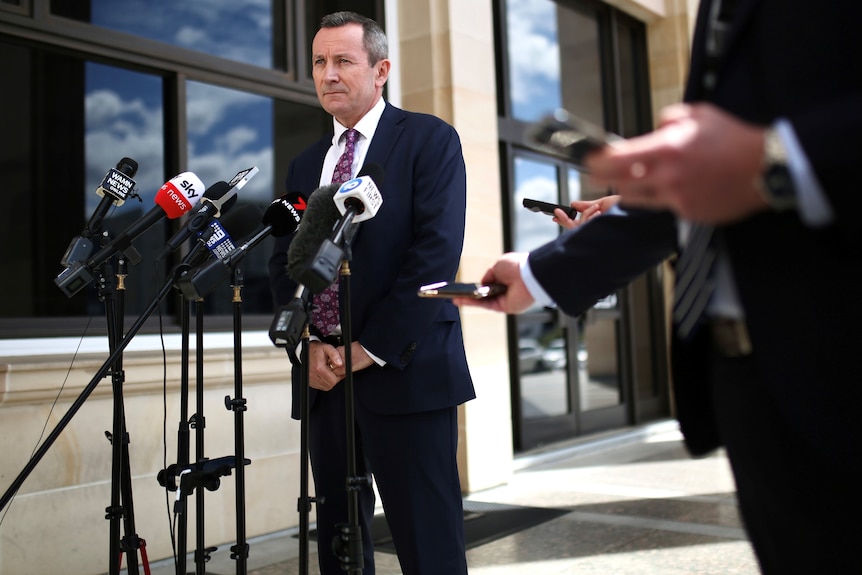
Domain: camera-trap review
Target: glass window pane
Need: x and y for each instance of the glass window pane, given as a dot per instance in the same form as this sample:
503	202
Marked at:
544	384
598	357
240	31
580	57
534	58
229	131
542	367
538	181
123	117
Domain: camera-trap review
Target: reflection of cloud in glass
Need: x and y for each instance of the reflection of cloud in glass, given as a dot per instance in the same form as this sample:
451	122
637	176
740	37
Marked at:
534	58
240	31
207	106
535	180
229	131
121	125
574	184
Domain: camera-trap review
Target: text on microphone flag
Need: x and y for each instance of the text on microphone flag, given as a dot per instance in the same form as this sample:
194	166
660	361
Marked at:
179	194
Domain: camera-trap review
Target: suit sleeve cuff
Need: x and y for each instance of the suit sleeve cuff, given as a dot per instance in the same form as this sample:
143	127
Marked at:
814	209
536	290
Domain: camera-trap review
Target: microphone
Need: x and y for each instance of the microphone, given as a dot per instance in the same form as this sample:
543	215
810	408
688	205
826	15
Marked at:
285	213
321	214
174	198
361	197
118	183
114	189
220	197
361	194
314	274
281	218
302	261
218	238
200	217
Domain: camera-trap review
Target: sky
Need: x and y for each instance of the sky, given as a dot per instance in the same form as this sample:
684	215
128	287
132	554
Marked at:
228	130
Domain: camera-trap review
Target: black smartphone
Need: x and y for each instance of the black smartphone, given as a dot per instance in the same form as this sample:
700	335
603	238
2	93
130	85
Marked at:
568	136
449	290
548	208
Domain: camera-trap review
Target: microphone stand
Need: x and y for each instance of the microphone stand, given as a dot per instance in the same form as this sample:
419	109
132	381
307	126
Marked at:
348	544
121	506
221	466
304	503
183	458
204	473
198	423
239	552
289	329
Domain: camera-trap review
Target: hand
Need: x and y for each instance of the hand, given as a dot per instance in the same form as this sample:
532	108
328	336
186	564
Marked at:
358	357
701	163
506	271
325	366
587	210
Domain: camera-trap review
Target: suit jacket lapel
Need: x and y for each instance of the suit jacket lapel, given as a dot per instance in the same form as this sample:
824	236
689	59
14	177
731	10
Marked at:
388	131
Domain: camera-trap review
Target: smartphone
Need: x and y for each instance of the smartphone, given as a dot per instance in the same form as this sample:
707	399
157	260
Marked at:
568	137
548	208
449	290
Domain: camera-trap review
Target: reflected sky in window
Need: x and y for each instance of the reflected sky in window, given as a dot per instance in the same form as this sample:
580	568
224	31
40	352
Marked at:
229	131
537	181
240	31
534	58
123	118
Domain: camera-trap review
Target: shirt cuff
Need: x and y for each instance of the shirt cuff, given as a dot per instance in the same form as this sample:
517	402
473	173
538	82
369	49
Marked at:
814	208
536	290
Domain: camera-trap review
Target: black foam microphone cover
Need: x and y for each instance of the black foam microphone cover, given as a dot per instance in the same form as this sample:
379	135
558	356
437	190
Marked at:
321	215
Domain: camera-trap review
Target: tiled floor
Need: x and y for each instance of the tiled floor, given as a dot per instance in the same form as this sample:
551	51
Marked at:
636	504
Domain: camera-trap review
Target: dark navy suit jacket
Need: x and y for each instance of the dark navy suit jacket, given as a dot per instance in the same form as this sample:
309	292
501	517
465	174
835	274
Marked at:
415	239
792	59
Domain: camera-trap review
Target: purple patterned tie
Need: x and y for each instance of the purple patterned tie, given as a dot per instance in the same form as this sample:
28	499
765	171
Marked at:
325	314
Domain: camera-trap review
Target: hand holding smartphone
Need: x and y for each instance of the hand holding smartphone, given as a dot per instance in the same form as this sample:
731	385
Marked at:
548	208
449	290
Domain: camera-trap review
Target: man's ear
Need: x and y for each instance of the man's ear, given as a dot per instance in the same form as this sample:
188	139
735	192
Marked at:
382	71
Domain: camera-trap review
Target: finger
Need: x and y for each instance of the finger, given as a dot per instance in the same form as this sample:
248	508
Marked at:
674	113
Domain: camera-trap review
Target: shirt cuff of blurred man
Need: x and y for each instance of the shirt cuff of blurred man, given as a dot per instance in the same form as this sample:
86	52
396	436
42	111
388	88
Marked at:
536	290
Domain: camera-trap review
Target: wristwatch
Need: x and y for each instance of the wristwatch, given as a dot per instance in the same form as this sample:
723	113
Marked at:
776	181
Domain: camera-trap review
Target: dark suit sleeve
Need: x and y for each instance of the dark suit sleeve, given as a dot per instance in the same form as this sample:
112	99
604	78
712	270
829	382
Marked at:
831	136
591	261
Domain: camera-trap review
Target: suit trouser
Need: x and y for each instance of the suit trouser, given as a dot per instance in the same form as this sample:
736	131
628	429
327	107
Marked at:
413	460
801	509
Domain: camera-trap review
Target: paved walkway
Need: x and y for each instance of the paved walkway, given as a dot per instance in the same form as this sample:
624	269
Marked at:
635	504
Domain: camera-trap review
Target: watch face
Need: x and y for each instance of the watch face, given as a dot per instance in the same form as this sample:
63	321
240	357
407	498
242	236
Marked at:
779	187
777	182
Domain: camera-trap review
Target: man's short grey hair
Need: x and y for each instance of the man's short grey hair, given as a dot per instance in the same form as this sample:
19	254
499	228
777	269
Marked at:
373	37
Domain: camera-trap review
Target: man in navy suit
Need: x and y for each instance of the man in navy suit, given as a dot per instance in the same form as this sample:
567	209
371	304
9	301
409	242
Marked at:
766	152
409	365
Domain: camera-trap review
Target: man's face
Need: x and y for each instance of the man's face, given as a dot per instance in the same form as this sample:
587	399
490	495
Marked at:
347	85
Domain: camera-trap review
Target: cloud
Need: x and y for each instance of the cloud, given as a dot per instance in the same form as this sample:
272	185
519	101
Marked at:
534	57
534	229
